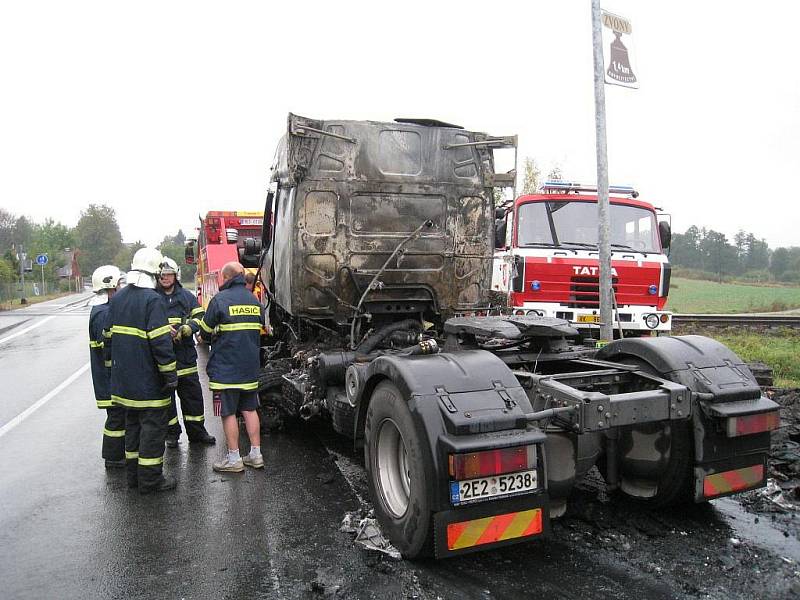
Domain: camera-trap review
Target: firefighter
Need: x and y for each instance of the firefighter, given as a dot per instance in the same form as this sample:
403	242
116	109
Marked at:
143	370
105	281
233	324
184	314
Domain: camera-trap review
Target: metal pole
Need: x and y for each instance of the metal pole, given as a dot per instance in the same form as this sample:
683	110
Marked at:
42	279
606	322
22	271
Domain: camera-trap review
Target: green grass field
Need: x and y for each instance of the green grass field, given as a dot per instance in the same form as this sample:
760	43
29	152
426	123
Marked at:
698	296
778	351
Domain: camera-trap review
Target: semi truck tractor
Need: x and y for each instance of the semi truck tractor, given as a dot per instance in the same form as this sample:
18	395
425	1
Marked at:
547	258
377	252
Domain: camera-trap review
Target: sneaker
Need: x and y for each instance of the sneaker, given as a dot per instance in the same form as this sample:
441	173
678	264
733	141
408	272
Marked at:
167	483
228	467
116	464
256	463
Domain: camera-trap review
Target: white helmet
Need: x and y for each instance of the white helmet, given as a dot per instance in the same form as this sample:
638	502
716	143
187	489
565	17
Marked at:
106	277
147	260
170	266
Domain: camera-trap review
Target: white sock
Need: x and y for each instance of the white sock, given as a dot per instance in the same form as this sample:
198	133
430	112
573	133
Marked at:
255	451
233	456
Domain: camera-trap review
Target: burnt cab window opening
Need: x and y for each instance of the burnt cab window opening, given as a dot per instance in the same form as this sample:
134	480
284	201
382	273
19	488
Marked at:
565	223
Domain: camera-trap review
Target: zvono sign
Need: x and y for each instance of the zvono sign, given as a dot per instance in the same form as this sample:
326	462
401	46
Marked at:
618	51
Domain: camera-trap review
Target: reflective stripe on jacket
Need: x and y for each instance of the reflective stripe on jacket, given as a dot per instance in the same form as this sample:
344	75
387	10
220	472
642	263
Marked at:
233	325
101	375
139	345
182	308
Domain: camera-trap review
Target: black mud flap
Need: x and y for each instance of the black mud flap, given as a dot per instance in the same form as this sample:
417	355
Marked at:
730	461
490	525
730	476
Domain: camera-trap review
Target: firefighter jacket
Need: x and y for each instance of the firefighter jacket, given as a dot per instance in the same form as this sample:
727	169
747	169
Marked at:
101	374
232	324
182	309
139	345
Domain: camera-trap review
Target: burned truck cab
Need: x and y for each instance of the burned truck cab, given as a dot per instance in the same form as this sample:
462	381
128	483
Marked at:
346	194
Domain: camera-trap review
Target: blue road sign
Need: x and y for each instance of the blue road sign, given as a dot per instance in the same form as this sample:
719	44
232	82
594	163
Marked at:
41	259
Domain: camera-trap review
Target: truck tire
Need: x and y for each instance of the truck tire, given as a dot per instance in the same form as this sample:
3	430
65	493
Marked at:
676	482
270	378
676	485
272	410
396	463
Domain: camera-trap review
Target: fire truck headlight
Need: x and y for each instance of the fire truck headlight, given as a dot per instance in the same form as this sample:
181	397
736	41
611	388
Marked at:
651	321
536	285
653	289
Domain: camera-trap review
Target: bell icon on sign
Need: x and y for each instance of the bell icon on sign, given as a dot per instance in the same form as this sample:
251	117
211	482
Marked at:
619	67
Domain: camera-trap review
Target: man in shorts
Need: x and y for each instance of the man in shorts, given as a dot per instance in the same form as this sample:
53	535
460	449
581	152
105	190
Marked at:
232	325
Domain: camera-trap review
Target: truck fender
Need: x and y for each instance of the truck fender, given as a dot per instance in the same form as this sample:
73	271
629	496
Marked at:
700	363
452	396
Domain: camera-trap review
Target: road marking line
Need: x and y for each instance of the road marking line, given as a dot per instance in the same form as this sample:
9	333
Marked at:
345	472
273	570
41	402
27	329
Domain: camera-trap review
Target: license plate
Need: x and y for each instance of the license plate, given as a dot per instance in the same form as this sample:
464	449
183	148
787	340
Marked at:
258	222
484	488
589	319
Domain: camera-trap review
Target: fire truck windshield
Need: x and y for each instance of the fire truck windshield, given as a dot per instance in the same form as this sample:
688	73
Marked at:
573	223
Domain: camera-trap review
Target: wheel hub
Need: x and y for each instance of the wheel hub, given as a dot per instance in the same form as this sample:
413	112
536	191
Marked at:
394	475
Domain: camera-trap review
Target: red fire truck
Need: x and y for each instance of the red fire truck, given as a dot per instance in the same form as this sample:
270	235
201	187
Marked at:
225	236
547	258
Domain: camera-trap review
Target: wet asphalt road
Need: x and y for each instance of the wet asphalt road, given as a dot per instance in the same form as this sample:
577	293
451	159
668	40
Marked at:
69	529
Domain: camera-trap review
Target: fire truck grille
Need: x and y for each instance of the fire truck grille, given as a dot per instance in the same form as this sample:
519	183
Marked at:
584	292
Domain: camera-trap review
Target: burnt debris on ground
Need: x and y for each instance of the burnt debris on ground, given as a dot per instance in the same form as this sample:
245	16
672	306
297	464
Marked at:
780	500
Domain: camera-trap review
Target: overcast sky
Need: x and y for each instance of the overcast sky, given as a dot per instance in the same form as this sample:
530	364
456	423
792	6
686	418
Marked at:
165	110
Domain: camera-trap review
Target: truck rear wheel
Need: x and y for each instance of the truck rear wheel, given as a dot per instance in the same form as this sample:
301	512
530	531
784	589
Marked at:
675	481
396	463
676	485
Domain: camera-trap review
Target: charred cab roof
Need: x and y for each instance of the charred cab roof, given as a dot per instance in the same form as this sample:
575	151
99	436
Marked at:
426	122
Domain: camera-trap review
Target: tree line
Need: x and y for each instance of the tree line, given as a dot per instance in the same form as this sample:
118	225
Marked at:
96	239
746	257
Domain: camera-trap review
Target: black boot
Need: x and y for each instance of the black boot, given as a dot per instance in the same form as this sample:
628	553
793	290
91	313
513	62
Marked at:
166	483
116	464
203	437
173	435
